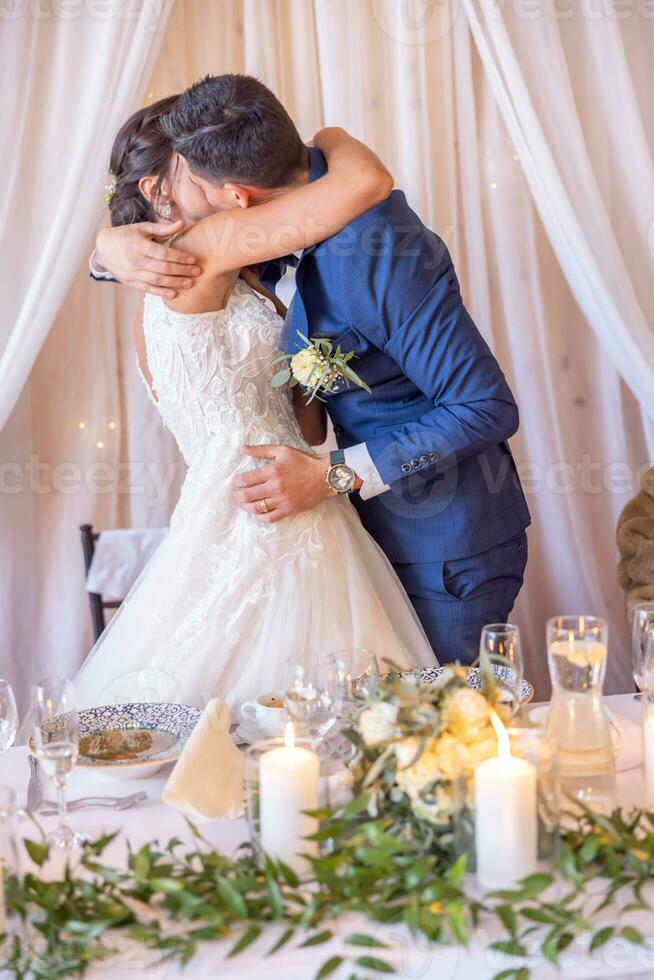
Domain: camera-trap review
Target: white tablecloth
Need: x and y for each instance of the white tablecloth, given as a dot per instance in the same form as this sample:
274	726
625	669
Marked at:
413	960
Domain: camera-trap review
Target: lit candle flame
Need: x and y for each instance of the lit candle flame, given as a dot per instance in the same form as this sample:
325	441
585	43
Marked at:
289	735
503	741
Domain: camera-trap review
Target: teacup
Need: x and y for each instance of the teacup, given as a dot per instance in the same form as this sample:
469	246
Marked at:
267	712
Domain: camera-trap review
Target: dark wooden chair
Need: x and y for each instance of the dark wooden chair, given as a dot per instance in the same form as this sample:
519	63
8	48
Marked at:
98	604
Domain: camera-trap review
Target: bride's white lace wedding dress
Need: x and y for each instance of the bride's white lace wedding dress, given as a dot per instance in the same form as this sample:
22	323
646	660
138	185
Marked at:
226	600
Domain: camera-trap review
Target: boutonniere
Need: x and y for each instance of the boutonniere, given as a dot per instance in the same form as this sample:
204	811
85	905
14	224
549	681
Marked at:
318	368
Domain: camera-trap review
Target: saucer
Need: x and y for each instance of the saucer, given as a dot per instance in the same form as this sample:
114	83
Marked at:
248	732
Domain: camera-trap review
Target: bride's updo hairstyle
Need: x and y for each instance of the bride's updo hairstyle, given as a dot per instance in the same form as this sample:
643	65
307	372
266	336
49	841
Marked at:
140	150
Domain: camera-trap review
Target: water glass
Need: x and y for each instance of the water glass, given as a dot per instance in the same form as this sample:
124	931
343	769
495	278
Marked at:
642	647
56	745
313	695
8	716
358	676
500	646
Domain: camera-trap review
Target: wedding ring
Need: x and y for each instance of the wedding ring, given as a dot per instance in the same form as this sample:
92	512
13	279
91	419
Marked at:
263	506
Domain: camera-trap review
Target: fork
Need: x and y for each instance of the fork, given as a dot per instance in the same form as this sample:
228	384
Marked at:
104	802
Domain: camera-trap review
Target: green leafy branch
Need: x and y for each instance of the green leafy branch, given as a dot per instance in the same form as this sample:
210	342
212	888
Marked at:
172	900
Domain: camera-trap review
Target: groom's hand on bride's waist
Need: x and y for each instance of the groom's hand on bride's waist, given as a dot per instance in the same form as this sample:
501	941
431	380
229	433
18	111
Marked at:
289	482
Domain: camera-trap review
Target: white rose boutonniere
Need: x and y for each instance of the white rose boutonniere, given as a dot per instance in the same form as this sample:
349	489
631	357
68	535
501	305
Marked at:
318	368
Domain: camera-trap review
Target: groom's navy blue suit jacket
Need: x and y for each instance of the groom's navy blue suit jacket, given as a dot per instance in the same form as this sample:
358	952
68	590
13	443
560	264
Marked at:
440	411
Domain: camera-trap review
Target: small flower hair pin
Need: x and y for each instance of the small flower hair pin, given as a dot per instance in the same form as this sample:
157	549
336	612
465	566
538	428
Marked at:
110	188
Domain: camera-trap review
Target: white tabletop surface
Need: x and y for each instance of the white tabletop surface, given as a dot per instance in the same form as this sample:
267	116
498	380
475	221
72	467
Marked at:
412	959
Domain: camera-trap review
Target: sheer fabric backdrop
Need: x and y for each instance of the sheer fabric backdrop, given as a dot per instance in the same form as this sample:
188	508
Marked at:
407	78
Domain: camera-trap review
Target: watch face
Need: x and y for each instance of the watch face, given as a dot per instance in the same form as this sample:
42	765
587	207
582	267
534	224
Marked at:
341	478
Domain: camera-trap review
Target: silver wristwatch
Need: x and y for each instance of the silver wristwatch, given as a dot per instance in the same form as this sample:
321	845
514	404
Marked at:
340	477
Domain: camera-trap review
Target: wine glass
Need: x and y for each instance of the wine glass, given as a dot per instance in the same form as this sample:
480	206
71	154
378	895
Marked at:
56	744
313	695
642	647
8	716
358	675
500	646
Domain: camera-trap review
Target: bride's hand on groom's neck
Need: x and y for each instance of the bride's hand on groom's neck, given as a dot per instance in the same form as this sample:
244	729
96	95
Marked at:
134	257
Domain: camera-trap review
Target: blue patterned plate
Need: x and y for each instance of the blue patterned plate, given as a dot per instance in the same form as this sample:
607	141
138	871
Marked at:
131	741
429	675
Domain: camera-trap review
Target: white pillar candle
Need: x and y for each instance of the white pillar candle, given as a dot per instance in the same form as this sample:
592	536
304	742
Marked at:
648	753
506	822
288	785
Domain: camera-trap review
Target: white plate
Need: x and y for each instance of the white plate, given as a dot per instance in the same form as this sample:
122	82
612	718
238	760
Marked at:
175	722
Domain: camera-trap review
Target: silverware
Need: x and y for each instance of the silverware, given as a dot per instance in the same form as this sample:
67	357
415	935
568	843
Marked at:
103	802
34	788
96	800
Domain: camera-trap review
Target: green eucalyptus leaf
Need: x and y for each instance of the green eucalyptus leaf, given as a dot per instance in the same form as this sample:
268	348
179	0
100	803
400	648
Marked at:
232	898
317	939
38	852
601	937
373	963
361	939
281	378
329	967
283	940
250	935
632	935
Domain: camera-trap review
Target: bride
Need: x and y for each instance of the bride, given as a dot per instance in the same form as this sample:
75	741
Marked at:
228	597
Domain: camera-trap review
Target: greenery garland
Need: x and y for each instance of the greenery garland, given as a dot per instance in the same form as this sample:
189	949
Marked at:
172	900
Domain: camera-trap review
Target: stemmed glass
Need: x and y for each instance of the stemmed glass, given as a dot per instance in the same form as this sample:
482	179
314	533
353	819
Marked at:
56	744
642	647
500	646
8	716
313	695
358	675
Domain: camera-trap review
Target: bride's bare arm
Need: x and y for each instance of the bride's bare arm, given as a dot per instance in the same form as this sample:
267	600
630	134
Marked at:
356	181
311	417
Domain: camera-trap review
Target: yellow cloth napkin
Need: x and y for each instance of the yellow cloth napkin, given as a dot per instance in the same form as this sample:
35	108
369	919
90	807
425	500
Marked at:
207	781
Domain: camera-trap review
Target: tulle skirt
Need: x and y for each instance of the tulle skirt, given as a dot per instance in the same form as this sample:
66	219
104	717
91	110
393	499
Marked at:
226	600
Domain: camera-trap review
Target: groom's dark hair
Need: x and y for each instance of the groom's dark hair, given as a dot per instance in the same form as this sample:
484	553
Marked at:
232	128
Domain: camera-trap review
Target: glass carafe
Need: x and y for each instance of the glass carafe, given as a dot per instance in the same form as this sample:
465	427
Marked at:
578	723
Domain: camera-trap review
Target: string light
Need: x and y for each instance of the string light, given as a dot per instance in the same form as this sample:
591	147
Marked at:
112	425
99	445
515	156
81	425
494	185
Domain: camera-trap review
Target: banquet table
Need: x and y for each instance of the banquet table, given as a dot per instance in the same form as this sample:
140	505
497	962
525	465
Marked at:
411	958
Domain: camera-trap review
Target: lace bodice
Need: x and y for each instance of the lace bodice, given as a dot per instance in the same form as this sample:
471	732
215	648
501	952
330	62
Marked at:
211	379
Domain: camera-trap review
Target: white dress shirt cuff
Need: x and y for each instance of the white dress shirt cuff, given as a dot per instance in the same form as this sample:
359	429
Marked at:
96	269
358	458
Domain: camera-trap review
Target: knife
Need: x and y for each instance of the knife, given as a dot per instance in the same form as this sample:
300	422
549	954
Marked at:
34	789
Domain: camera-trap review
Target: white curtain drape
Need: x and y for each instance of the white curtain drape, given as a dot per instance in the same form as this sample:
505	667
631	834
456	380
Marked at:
406	77
69	79
604	256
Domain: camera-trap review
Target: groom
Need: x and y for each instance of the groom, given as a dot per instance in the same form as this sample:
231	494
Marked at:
425	455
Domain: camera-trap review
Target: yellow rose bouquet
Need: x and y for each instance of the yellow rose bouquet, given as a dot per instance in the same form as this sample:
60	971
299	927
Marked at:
417	746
